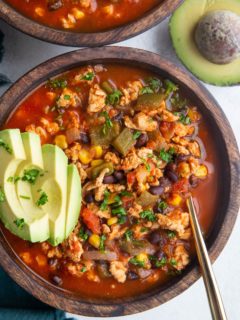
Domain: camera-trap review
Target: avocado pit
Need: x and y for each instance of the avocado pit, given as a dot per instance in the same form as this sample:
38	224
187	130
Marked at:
217	36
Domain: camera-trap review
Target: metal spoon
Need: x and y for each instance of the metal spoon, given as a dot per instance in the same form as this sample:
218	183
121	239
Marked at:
214	297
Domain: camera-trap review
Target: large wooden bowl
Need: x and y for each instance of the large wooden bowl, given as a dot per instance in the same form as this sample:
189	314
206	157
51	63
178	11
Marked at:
76	39
228	197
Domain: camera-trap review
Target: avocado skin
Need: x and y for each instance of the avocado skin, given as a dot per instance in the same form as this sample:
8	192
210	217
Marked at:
182	27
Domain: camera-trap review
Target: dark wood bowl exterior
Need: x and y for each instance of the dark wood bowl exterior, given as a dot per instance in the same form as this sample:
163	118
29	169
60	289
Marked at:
77	39
229	189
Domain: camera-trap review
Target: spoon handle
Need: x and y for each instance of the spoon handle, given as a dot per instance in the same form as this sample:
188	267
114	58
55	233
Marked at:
214	297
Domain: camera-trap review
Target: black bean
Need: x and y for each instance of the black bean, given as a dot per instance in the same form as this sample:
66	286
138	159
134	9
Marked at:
118	117
172	176
54	4
132	275
119	175
109	179
182	157
84	138
53	262
193	181
142	140
57	280
154	237
160	254
171	166
164	182
158	190
89	198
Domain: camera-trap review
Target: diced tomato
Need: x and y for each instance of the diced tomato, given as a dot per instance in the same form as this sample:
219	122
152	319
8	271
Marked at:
167	129
91	220
181	186
131	177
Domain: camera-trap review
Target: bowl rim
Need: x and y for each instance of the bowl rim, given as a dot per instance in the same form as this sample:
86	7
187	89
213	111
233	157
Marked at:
68	301
80	39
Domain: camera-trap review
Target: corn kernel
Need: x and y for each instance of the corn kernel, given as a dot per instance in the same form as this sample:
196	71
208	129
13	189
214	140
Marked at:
175	200
40	11
51	95
84	156
112	221
41	260
184	169
194	115
94	240
108	9
201	171
26	257
61	141
95	163
143	257
78	14
97	151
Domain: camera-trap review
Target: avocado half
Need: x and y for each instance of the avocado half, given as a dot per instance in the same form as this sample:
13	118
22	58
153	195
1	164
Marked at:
182	27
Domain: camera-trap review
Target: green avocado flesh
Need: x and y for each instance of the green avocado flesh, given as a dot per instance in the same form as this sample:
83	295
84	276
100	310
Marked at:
40	194
182	27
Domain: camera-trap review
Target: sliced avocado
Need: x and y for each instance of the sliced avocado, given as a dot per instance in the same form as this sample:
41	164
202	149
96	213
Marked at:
53	184
19	222
74	199
33	165
182	28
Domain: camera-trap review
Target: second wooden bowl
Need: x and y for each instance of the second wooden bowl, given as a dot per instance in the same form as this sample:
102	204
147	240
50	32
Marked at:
78	39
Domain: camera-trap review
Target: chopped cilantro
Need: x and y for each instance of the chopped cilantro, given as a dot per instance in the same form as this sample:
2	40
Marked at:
122	219
184	119
143	229
171	234
67	97
82	234
25	197
30	175
19	223
57	83
167	156
146	90
108	123
119	211
2	195
170	87
137	262
125	193
42	200
136	134
147	165
162	205
161	263
173	262
104	204
148	215
88	76
5	146
128	235
102	242
154	83
84	269
113	98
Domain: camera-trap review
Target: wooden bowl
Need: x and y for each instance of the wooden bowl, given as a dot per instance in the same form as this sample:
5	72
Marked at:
76	39
229	196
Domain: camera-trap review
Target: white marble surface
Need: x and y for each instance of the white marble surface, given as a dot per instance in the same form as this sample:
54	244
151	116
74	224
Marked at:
24	52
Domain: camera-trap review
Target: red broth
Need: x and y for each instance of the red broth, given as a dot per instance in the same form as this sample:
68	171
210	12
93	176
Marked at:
32	109
86	15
